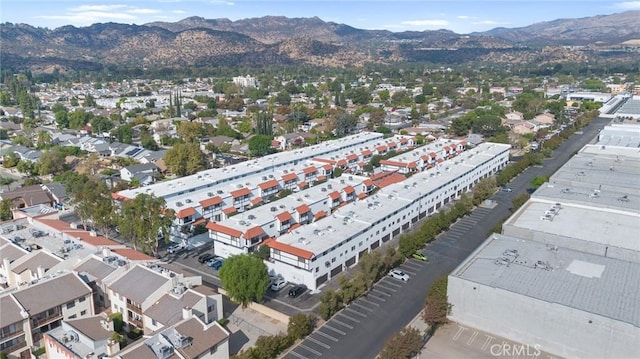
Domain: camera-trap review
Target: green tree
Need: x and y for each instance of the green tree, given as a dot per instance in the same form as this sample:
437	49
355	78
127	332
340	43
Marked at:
123	133
10	160
190	132
245	278
79	118
301	325
52	162
361	96
100	124
260	145
283	98
5	210
403	345
43	139
264	123
437	308
345	124
185	159
142	219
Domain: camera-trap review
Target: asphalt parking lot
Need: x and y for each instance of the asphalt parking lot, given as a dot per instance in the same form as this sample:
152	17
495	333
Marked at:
354	318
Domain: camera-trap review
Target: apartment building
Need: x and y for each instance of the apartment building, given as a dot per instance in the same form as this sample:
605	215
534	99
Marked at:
33	309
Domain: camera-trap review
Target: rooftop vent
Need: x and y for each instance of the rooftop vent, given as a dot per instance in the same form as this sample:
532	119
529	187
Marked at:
624	198
179	204
188	200
542	265
502	261
510	252
210	194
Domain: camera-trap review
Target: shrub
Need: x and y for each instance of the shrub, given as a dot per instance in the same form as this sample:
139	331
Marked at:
405	344
117	321
330	304
134	334
301	325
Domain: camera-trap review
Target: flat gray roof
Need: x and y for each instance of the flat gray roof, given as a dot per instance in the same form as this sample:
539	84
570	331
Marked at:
34	260
623	135
563	276
631	107
168	309
138	283
609	227
607	197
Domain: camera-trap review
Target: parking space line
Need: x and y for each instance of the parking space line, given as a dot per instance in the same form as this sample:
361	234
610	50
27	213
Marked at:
348	317
473	337
385	288
407	271
310	350
361	306
413	264
342	323
326	335
355	311
334	329
487	342
379	291
319	342
458	333
298	355
392	282
370	302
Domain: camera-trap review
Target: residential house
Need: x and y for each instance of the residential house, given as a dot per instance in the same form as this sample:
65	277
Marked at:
544	119
144	173
27	196
81	339
289	140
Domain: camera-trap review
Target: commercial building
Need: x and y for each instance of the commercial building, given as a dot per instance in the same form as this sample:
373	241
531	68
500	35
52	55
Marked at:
563	275
589	96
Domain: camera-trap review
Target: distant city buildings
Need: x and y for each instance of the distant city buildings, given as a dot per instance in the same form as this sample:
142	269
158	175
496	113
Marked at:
246	82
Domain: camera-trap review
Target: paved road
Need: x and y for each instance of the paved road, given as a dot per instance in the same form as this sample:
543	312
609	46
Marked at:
361	329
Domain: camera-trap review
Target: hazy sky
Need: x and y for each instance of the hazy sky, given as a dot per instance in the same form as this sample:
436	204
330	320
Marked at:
461	16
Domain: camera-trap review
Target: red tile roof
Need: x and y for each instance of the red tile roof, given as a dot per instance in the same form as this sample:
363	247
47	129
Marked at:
283	247
403	140
366	153
446	148
323	160
230	210
302	209
412	165
440	160
269	184
211	201
433	155
224	229
352	157
320	214
186	212
362	195
284	216
348	190
327	167
253	232
198	221
392	145
290	177
381	149
342	162
303	184
119	197
275	143
393	163
294	226
309	170
256	200
334	195
389	180
321	178
424	158
241	192
368	182
132	254
95	241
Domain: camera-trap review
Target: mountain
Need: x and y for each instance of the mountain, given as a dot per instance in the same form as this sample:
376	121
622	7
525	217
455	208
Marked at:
276	40
608	29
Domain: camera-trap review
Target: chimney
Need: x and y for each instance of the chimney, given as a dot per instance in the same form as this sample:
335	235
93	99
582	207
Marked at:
106	251
112	347
6	264
187	313
40	272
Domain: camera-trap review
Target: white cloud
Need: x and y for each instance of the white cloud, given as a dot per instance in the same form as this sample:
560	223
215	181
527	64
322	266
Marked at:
179	11
425	23
143	11
628	5
465	17
222	2
83	8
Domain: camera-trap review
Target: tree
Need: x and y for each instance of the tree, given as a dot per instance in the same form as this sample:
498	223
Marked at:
43	139
189	131
245	278
100	124
79	118
361	96
264	123
91	200
5	210
260	145
437	308
52	162
145	220
123	134
62	119
403	345
283	98
345	124
185	159
301	325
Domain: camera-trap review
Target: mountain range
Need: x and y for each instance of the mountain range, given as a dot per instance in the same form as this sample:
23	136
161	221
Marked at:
274	40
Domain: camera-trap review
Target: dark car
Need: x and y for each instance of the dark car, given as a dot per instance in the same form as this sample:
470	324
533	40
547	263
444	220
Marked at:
297	291
205	257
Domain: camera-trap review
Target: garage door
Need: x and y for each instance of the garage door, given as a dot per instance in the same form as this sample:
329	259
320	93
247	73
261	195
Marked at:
375	245
386	238
351	261
362	253
335	271
321	280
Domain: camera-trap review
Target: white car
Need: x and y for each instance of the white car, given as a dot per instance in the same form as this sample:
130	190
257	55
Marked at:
176	248
398	274
278	284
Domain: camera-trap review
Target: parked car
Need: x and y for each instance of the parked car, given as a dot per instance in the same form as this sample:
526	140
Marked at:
216	263
420	256
507	189
398	274
176	248
278	284
205	257
297	291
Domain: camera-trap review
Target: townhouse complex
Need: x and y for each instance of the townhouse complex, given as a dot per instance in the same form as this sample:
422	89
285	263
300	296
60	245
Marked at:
563	274
322	225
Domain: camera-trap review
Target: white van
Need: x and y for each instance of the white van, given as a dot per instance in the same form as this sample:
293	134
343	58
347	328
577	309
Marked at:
278	284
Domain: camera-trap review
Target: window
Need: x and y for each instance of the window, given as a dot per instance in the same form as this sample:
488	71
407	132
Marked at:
71	304
153	322
73	317
333	259
82	299
84	312
211	308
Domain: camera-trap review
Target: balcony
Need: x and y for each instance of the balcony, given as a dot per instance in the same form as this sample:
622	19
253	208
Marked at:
4	335
135	309
15	347
135	322
52	318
